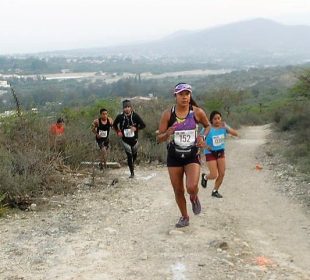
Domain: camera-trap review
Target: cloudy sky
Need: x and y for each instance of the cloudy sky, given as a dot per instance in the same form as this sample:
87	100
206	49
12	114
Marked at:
40	25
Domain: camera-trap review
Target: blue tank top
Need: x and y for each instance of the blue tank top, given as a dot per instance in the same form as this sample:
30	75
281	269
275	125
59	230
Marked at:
216	139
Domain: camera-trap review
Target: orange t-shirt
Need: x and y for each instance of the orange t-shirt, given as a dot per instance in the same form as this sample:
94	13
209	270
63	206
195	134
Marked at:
57	129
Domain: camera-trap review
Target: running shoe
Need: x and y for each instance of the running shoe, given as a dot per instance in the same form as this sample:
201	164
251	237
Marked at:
132	175
215	193
183	222
196	206
203	180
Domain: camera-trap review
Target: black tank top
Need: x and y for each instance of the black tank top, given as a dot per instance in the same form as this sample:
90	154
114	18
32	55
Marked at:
173	116
103	129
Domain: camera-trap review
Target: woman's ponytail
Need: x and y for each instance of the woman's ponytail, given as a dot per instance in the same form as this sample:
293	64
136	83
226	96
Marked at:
193	102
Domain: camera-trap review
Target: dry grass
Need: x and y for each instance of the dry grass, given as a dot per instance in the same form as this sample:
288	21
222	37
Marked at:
26	160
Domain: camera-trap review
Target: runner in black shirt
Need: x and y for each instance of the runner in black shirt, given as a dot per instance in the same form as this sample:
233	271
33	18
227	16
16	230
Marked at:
127	126
101	128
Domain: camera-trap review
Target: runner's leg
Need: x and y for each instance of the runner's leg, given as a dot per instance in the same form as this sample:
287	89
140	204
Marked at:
130	163
221	170
192	172
101	154
134	156
128	150
213	171
134	150
104	155
176	178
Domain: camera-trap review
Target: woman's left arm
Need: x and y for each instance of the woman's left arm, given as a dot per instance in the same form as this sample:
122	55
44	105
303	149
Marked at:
230	130
140	122
202	118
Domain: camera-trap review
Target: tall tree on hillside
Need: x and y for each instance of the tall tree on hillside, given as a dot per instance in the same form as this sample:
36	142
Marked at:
225	99
302	87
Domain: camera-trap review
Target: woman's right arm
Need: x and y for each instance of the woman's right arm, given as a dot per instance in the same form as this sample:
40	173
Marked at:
163	131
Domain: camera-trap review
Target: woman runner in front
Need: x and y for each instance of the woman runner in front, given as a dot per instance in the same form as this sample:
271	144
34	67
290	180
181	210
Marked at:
179	126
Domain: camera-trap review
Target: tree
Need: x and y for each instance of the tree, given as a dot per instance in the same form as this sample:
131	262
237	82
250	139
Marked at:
302	87
225	99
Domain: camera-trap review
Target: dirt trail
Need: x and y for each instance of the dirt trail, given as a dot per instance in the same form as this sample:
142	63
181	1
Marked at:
126	231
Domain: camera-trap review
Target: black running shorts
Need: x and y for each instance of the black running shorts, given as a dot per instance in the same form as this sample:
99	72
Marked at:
176	162
102	143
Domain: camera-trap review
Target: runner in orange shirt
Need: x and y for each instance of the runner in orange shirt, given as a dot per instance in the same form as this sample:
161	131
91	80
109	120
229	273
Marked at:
57	139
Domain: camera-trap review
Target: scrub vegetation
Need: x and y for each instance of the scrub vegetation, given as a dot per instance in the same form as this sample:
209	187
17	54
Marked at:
29	168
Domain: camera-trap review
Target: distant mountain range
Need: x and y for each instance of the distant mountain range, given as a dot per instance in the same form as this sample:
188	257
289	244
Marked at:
253	41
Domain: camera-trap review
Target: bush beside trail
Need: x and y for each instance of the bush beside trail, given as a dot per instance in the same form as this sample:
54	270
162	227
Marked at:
294	122
26	160
29	168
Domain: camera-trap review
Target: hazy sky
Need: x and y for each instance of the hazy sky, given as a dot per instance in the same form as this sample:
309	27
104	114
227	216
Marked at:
39	25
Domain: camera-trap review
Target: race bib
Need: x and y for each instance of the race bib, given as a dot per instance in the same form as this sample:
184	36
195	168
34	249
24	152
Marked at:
185	138
218	140
103	133
129	133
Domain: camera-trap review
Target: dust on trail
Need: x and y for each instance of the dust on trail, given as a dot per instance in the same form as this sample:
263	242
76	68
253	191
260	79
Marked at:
126	231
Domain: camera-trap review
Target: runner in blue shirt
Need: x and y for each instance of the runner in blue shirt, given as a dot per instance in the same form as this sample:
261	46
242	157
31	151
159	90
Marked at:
215	152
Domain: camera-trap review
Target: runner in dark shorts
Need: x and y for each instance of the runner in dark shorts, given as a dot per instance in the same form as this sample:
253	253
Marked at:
127	126
178	126
101	128
214	155
215	152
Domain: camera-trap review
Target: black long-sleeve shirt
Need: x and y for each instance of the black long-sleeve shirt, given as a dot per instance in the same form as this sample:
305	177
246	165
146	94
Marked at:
123	123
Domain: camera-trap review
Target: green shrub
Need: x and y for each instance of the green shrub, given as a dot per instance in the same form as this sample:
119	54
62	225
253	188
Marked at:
25	159
294	119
